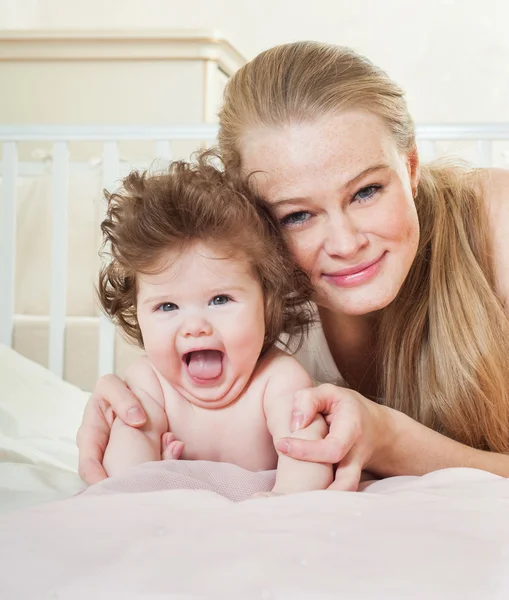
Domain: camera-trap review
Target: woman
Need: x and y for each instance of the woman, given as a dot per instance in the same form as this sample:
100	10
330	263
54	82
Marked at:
410	266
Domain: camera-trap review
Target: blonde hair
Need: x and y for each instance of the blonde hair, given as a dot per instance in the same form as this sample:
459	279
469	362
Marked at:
445	337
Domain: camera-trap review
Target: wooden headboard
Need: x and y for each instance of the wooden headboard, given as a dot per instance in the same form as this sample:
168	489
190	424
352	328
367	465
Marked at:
113	77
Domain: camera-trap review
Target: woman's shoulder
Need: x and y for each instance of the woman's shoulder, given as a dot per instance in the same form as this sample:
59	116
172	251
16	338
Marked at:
496	186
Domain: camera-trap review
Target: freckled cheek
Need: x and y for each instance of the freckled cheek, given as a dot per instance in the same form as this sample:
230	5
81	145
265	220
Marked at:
400	224
303	249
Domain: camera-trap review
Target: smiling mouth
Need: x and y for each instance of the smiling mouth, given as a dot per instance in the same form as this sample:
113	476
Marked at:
204	366
357	275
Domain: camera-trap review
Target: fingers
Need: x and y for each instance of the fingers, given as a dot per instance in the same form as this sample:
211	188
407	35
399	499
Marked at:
92	439
309	402
176	449
91	470
123	402
348	473
166	439
171	448
110	397
330	450
345	431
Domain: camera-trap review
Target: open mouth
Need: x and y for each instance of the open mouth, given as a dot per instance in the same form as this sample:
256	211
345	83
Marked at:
204	365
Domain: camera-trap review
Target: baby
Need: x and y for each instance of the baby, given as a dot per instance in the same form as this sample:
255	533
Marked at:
200	278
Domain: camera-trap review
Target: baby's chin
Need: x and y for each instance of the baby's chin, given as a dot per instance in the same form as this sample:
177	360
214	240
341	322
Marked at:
213	397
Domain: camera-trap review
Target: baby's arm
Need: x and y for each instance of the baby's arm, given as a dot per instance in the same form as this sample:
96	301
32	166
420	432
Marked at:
128	446
293	475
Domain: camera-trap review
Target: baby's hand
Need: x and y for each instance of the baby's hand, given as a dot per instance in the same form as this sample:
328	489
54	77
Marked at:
171	449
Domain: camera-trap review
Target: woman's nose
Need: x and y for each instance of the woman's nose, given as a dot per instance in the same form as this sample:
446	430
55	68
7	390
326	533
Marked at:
195	326
342	237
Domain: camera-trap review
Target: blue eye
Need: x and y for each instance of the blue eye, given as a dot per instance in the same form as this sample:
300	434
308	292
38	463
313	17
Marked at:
367	192
296	218
218	300
167	307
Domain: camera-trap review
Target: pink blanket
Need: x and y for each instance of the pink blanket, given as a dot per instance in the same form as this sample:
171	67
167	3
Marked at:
225	479
445	535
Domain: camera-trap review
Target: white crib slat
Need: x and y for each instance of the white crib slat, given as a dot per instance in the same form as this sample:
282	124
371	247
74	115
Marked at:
58	298
427	150
8	241
484	153
163	149
111	170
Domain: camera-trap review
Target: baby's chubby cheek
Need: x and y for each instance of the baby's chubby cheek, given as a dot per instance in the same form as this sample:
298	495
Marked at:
161	352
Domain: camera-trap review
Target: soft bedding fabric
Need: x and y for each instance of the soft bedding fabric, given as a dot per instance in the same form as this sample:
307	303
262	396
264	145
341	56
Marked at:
39	417
187	530
445	535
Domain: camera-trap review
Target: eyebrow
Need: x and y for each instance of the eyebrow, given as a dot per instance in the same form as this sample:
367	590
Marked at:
152	299
213	292
378	167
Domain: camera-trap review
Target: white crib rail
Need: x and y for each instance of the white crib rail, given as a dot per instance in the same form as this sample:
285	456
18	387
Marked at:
8	240
427	137
111	169
10	136
85	133
58	295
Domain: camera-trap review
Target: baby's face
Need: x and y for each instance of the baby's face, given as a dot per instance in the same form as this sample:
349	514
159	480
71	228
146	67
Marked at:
202	321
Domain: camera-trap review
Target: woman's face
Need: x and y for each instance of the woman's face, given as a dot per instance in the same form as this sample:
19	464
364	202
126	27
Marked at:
344	195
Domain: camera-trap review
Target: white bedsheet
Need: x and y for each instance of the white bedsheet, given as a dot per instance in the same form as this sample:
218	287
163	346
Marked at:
39	417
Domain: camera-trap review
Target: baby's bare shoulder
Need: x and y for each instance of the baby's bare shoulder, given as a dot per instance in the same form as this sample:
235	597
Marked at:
142	379
285	372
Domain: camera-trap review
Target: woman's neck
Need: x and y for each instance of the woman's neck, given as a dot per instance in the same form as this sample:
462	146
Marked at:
352	344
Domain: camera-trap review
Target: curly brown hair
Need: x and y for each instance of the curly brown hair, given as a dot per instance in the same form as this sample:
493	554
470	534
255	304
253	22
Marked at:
152	214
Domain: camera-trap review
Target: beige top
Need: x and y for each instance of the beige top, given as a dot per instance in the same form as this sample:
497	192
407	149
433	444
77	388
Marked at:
315	357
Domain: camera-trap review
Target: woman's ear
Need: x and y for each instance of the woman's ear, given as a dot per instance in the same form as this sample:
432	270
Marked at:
414	169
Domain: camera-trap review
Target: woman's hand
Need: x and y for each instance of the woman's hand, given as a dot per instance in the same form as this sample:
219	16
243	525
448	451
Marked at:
354	436
111	399
386	442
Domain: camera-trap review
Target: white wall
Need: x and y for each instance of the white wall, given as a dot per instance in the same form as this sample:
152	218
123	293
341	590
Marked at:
451	56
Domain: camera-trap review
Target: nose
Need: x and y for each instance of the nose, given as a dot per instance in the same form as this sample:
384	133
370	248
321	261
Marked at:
342	237
195	326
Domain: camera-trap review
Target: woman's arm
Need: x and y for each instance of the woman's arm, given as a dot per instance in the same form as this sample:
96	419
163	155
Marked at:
409	448
365	435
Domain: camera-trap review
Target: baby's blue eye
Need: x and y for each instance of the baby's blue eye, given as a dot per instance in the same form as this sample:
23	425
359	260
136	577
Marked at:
218	300
167	307
296	218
